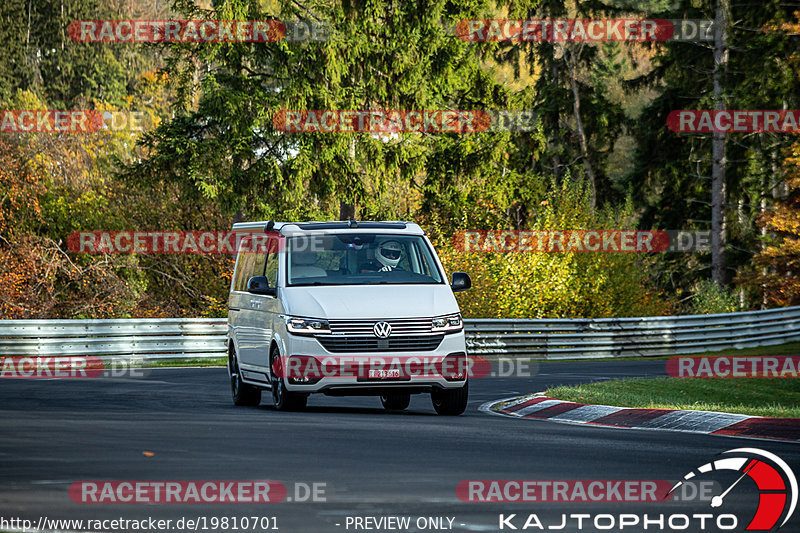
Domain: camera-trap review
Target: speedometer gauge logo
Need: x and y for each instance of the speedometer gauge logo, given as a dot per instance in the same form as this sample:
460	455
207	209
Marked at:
777	485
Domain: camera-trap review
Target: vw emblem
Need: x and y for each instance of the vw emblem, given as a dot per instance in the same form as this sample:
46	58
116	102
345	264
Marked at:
382	329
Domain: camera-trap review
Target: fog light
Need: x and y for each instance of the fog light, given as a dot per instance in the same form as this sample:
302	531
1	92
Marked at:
303	370
454	367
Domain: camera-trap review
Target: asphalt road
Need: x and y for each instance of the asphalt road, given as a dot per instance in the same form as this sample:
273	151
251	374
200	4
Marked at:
372	463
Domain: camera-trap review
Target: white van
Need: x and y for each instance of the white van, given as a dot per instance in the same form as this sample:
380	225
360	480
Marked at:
344	308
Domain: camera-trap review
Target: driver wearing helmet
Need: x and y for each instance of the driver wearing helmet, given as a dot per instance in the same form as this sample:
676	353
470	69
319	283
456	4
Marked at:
388	255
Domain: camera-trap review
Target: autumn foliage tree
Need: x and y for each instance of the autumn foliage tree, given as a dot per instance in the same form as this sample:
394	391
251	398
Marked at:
38	278
775	270
779	261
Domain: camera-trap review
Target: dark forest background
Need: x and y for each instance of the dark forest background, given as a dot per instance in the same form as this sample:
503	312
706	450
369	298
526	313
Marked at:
601	155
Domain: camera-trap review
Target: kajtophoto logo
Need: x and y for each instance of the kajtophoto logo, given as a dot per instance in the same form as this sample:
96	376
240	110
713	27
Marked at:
775	482
772	490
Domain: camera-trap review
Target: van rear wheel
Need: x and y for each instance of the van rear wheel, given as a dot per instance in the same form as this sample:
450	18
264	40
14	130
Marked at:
395	401
243	394
283	399
450	402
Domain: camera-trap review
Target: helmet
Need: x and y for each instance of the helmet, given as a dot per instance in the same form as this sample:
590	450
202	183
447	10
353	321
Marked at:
389	253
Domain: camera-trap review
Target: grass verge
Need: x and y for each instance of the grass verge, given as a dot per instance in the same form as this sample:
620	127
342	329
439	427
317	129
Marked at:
167	363
776	397
791	348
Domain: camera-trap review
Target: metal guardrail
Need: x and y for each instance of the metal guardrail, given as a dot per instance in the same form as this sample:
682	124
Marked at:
197	338
146	338
631	337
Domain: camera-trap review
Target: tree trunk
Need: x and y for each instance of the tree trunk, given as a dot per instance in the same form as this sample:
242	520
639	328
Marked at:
576	108
347	210
718	237
347	207
28	34
556	132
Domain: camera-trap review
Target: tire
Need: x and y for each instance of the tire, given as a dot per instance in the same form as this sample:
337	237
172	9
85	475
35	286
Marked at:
283	399
450	402
243	393
395	401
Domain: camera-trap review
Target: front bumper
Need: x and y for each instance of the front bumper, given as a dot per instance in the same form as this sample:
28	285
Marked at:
310	368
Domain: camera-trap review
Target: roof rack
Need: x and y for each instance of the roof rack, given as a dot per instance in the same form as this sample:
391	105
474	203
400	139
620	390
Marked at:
350	224
272	225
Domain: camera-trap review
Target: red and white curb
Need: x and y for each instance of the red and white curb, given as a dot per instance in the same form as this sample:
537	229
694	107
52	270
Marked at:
539	407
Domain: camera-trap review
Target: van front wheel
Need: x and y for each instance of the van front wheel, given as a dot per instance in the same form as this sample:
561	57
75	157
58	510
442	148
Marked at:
284	400
450	402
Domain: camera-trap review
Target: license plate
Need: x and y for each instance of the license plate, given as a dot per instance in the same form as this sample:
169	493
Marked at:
384	373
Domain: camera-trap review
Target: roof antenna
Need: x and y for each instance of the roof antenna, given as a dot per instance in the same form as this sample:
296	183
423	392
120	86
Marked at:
352	223
270	225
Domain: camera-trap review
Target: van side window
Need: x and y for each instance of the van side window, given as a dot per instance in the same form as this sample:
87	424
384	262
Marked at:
246	265
259	262
272	257
238	276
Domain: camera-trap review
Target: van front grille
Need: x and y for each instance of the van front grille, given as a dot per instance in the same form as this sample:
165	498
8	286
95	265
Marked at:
400	326
404	343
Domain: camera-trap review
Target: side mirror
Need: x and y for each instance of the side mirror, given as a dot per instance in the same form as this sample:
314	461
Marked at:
461	282
260	285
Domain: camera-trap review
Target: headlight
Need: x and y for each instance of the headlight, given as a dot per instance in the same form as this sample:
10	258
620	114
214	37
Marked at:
447	323
307	326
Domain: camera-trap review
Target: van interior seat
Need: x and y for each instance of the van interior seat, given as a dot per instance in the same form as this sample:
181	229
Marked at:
303	266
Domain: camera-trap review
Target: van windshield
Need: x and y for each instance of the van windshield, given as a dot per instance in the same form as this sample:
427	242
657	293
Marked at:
360	259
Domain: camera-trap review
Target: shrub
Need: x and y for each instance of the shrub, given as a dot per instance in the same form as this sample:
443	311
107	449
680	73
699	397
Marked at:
711	298
537	285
